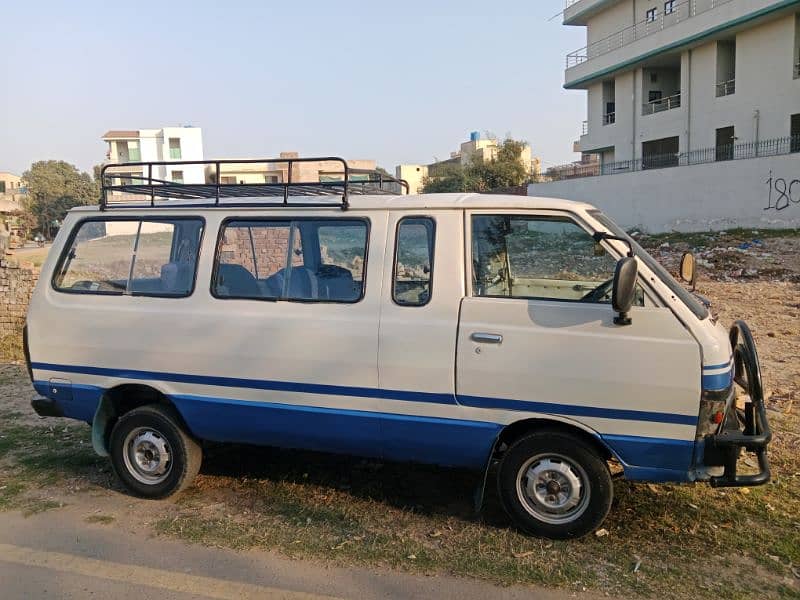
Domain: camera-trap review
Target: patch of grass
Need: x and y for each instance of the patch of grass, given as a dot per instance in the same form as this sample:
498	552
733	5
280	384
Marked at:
100	519
702	239
34	506
11	346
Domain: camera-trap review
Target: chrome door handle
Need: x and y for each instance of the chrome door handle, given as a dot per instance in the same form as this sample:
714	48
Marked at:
487	338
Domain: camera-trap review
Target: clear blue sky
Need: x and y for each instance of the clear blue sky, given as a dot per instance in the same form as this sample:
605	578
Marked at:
395	81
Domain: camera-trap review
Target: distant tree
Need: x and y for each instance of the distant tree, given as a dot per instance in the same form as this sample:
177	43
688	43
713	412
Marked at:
505	171
55	186
449	177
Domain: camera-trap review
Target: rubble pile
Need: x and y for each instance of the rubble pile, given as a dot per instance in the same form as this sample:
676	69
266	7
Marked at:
759	255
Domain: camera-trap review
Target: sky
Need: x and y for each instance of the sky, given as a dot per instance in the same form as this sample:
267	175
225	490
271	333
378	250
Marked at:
399	82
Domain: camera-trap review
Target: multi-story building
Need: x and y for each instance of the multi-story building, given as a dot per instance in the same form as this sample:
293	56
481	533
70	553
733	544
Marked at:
168	144
685	82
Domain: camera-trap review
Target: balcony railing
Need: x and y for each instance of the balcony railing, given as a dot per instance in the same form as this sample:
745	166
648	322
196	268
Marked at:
609	118
662	104
724	152
584	127
681	11
726	88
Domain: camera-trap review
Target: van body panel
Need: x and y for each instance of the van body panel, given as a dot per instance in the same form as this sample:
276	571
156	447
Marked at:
378	379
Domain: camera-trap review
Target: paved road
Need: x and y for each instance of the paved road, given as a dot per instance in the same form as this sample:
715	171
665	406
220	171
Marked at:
57	555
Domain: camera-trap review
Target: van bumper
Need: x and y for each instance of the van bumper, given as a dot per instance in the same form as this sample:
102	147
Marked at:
45	407
746	429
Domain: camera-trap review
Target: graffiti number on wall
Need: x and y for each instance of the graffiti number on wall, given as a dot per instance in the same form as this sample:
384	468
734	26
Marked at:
782	193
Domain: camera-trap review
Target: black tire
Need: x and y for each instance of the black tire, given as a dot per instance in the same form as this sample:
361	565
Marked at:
567	460
175	454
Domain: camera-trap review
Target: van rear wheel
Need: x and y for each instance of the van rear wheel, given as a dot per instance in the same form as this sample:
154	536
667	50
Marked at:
152	454
554	485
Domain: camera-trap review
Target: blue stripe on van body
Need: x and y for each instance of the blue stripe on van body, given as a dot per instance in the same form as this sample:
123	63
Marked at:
573	410
446	442
363	392
720	381
435	440
256	384
664	454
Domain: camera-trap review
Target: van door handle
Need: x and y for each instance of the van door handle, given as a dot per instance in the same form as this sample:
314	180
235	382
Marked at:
487	338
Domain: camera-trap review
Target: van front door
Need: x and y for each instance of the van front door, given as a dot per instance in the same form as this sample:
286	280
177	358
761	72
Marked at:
537	336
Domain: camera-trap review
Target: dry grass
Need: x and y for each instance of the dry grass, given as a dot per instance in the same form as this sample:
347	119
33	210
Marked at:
688	541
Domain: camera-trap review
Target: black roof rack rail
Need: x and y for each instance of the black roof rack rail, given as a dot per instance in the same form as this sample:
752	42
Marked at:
137	181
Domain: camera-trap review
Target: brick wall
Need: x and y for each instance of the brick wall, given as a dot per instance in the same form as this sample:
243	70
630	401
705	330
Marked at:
270	249
17	280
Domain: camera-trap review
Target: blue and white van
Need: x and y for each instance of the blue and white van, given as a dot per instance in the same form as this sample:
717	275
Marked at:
527	338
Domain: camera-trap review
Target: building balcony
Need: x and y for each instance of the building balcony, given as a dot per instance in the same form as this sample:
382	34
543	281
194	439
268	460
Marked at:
661	104
576	12
686	22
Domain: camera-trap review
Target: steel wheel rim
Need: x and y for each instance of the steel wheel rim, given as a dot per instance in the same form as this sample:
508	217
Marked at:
553	488
147	455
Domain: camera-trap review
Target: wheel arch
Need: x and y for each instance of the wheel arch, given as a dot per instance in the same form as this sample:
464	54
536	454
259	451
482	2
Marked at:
121	399
518	429
522	427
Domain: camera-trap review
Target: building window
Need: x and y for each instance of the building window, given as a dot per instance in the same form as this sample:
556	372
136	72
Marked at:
141	258
669	7
661	153
794	132
651	15
177	176
547	258
317	260
175	148
725	141
134	155
413	261
2	187
726	67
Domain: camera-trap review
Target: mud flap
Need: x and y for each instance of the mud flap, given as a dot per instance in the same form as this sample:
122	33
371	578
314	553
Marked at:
104	414
480	489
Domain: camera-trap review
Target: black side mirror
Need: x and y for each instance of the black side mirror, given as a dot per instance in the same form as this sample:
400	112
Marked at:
688	271
623	290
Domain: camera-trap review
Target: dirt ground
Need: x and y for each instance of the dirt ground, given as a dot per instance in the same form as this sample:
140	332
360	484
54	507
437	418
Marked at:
660	540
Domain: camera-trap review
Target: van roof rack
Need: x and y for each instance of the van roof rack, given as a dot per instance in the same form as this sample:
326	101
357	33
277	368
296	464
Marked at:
146	184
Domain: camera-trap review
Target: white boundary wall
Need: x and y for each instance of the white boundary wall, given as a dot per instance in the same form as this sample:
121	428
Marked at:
757	192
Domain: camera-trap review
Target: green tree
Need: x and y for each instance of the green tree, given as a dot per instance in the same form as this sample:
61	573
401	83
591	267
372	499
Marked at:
54	187
505	171
449	177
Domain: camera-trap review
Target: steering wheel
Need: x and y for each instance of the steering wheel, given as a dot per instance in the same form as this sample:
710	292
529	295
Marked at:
597	294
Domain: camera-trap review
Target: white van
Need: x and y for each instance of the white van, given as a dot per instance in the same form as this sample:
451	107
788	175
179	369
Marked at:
529	338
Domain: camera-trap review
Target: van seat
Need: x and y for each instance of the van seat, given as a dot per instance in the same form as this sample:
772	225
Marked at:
337	283
235	280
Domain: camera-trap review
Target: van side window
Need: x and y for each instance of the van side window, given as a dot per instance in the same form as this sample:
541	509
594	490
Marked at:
147	257
413	261
316	260
539	257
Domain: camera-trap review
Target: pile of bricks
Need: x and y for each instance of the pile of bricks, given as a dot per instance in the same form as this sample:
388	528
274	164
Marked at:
17	280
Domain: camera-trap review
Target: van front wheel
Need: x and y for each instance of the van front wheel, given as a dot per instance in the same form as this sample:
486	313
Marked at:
554	485
152	454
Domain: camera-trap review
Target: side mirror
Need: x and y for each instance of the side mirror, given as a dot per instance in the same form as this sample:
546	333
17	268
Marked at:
623	290
688	272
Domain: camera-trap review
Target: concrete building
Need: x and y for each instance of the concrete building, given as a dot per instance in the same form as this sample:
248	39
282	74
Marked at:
168	144
687	83
415	176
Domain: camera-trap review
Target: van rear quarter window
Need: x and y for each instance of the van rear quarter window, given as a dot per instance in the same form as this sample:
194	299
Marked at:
138	256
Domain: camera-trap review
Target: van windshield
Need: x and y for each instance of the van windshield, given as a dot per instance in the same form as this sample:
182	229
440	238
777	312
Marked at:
700	311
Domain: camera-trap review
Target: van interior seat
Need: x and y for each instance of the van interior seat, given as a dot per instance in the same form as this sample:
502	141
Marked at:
235	280
302	284
337	283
